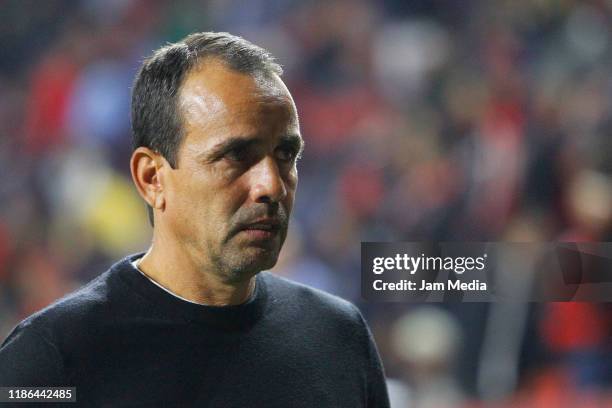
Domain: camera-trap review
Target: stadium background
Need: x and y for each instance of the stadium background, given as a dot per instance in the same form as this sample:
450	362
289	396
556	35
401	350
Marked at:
424	120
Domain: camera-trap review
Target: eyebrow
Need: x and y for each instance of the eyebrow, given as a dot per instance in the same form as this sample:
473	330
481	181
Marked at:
240	142
294	141
220	149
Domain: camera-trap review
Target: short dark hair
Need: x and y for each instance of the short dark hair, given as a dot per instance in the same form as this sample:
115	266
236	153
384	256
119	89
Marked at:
156	120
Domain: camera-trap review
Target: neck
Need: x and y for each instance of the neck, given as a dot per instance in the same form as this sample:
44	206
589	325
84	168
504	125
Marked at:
181	274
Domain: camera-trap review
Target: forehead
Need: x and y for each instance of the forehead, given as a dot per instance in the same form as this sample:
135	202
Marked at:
214	96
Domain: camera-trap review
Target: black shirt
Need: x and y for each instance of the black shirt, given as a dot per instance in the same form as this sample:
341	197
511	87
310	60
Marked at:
123	341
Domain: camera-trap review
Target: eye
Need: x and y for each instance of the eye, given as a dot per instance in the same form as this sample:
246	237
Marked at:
286	153
238	154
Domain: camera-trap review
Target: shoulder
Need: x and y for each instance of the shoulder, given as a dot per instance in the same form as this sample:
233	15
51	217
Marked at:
75	310
307	300
33	354
74	305
323	321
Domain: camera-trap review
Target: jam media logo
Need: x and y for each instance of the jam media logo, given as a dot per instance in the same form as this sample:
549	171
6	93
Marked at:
425	272
502	271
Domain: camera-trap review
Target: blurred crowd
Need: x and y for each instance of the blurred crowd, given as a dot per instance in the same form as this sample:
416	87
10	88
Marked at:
434	120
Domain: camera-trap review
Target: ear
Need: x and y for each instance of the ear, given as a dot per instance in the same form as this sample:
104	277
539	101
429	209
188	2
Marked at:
147	169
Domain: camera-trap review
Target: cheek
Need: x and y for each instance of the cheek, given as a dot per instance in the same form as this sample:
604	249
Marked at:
213	199
291	185
292	179
182	210
188	200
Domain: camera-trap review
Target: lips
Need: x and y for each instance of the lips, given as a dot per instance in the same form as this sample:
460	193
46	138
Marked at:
262	229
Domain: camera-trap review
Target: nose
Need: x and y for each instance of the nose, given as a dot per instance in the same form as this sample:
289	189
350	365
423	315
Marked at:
267	184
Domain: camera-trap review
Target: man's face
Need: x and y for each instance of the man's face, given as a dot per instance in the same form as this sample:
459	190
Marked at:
229	199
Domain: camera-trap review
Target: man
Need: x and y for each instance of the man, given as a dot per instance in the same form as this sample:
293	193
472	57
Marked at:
193	322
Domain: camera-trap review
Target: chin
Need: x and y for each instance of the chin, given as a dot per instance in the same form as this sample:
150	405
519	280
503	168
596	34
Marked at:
262	261
242	259
250	264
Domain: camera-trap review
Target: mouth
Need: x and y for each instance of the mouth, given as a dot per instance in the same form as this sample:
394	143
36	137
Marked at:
260	230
